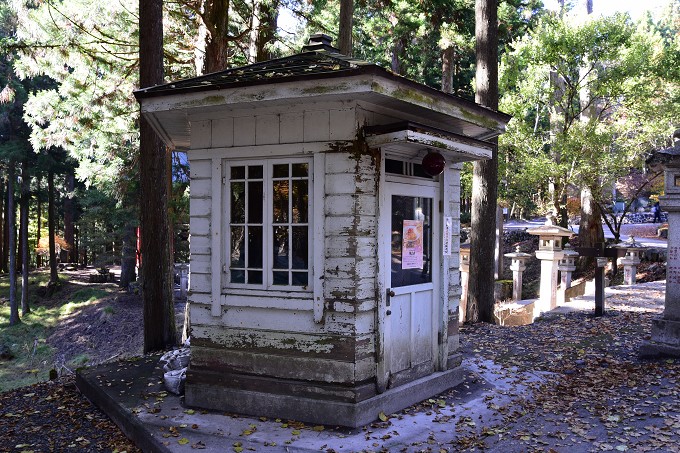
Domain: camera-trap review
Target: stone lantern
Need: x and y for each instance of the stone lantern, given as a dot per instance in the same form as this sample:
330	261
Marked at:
464	280
517	266
665	339
567	265
631	260
550	252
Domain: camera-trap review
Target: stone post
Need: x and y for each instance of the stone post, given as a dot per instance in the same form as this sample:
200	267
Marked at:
631	260
665	339
517	266
550	239
566	266
183	280
464	280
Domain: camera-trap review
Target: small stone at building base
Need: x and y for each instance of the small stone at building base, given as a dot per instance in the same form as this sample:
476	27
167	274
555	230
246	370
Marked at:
665	340
654	350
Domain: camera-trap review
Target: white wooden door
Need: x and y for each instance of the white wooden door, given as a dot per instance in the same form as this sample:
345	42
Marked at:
411	284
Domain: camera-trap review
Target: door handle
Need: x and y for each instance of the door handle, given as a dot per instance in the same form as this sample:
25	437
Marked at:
390	295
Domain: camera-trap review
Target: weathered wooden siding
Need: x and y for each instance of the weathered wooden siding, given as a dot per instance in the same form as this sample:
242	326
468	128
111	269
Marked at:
454	288
200	211
274	334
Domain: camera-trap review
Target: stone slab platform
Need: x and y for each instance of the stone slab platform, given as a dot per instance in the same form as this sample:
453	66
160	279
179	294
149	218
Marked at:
132	394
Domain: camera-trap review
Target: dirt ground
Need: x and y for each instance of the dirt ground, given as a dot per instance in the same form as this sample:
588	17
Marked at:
110	328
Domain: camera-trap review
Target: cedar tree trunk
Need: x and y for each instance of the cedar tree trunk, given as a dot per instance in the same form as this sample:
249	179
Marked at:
25	196
67	256
346	22
51	225
485	173
159	314
11	223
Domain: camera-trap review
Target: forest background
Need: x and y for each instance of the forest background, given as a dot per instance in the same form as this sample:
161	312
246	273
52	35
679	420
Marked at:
591	97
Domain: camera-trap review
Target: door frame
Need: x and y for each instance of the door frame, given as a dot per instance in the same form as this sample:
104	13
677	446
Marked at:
440	278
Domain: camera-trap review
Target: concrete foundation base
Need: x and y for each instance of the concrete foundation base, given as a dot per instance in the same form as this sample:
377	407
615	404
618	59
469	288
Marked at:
262	403
665	340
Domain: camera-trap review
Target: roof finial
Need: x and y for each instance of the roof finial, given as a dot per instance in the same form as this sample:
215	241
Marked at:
320	42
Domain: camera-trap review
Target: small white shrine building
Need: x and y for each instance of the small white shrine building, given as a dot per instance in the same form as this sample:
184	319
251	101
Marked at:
324	281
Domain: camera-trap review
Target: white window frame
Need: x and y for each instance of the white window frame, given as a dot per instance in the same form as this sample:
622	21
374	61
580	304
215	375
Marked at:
267	287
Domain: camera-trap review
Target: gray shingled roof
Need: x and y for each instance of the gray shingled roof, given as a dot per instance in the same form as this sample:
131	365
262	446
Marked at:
304	64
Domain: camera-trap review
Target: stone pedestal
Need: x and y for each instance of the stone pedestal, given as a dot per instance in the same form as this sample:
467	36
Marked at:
464	280
665	339
517	266
183	270
548	287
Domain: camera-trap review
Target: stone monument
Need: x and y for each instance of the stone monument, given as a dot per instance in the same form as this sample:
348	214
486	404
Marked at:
665	339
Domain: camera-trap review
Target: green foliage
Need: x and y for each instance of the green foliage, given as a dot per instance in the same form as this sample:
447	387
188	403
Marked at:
619	69
28	340
409	37
102	225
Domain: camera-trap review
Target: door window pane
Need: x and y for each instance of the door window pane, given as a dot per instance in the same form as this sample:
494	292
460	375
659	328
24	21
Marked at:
417	209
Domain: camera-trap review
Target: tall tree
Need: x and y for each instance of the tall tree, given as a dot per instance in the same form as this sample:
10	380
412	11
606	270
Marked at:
159	314
52	229
485	173
13	302
23	246
345	28
67	256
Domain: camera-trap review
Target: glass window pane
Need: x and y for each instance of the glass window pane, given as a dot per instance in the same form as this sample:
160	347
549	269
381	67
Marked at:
255	247
255	202
255	277
300	248
280	171
280	200
418	209
281	278
300	170
300	201
238	172
394	166
238	251
280	245
255	172
300	279
238	276
238	202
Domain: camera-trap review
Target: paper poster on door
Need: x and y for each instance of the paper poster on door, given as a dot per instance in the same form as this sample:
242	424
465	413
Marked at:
412	245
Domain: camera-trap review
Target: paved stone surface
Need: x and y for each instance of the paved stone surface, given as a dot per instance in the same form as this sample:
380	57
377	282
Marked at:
502	406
